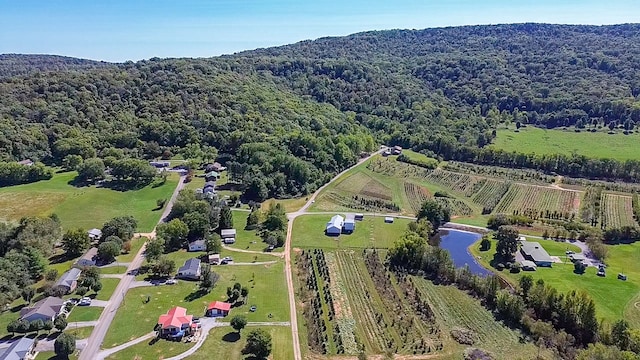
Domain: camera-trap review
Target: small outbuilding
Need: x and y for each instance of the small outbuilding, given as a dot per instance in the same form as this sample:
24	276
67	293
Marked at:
214	259
159	164
218	308
216	166
212	176
577	258
349	224
228	236
359	217
95	234
397	150
334	226
388	219
198	245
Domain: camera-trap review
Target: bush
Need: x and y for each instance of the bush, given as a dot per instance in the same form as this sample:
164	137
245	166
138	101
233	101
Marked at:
500	266
463	336
515	268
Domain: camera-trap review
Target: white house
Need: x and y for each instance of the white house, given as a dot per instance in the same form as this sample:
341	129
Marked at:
198	245
349	224
334	226
190	269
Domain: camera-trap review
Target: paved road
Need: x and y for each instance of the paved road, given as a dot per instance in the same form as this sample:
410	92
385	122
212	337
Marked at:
97	336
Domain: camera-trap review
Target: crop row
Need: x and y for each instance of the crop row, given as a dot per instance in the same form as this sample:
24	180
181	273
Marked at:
490	194
416	195
456	207
524	175
460	183
590	205
345	324
617	211
536	199
412	324
318	310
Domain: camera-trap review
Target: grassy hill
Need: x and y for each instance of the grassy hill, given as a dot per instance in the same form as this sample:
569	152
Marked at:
599	144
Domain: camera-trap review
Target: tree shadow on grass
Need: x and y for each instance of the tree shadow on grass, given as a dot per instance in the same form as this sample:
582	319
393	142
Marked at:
231	337
60	258
195	295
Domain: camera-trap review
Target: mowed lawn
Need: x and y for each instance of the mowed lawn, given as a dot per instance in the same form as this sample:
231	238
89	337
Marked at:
84	313
225	343
267	291
542	141
85	207
372	232
613	297
79	332
152	349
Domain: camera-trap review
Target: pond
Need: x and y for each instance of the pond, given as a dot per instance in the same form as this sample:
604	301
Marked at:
456	242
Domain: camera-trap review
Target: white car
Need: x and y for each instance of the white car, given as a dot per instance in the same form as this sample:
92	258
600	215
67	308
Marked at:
171	282
85	301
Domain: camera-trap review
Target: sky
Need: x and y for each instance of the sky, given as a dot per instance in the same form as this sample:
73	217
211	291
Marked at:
121	30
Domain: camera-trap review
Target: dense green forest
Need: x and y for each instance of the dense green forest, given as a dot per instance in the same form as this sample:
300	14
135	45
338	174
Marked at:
286	118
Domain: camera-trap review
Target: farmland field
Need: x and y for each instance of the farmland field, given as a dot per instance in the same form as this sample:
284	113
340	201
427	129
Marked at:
617	211
453	308
542	141
372	232
225	344
416	194
490	194
523	198
86	207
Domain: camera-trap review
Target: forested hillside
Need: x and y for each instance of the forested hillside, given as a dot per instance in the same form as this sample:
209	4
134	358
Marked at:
288	117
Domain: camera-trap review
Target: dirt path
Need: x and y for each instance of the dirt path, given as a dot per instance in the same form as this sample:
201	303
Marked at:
297	355
96	338
278	254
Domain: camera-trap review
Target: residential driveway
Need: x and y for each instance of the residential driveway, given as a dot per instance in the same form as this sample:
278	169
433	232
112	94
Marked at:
79	324
114	264
47	344
99	303
112	276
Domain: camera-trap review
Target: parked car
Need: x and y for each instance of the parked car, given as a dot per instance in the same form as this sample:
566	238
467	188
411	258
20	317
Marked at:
171	282
85	301
601	273
253	308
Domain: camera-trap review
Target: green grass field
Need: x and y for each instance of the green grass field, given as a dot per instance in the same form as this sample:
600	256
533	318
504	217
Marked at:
84	313
613	297
246	239
267	291
80	333
50	355
308	232
225	343
113	270
108	287
542	141
85	207
152	350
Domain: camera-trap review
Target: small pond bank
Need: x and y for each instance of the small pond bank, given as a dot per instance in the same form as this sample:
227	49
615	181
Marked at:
457	243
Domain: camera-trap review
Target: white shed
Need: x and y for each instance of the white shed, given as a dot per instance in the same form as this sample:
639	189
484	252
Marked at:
334	226
349	225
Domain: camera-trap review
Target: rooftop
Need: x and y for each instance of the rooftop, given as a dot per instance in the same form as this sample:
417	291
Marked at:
192	265
219	305
69	277
18	349
175	317
49	306
228	232
536	251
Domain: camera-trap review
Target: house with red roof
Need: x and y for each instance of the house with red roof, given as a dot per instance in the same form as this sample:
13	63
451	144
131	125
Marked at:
175	323
218	308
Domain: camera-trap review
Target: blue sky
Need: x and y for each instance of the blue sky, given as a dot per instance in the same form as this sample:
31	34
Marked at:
120	30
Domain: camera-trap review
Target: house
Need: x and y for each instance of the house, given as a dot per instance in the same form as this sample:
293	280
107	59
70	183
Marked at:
175	323
577	258
212	176
349	224
190	269
528	265
159	164
218	308
45	309
388	219
215	167
21	349
228	236
334	226
209	187
397	150
26	162
88	259
214	259
359	217
533	251
198	245
69	280
95	234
